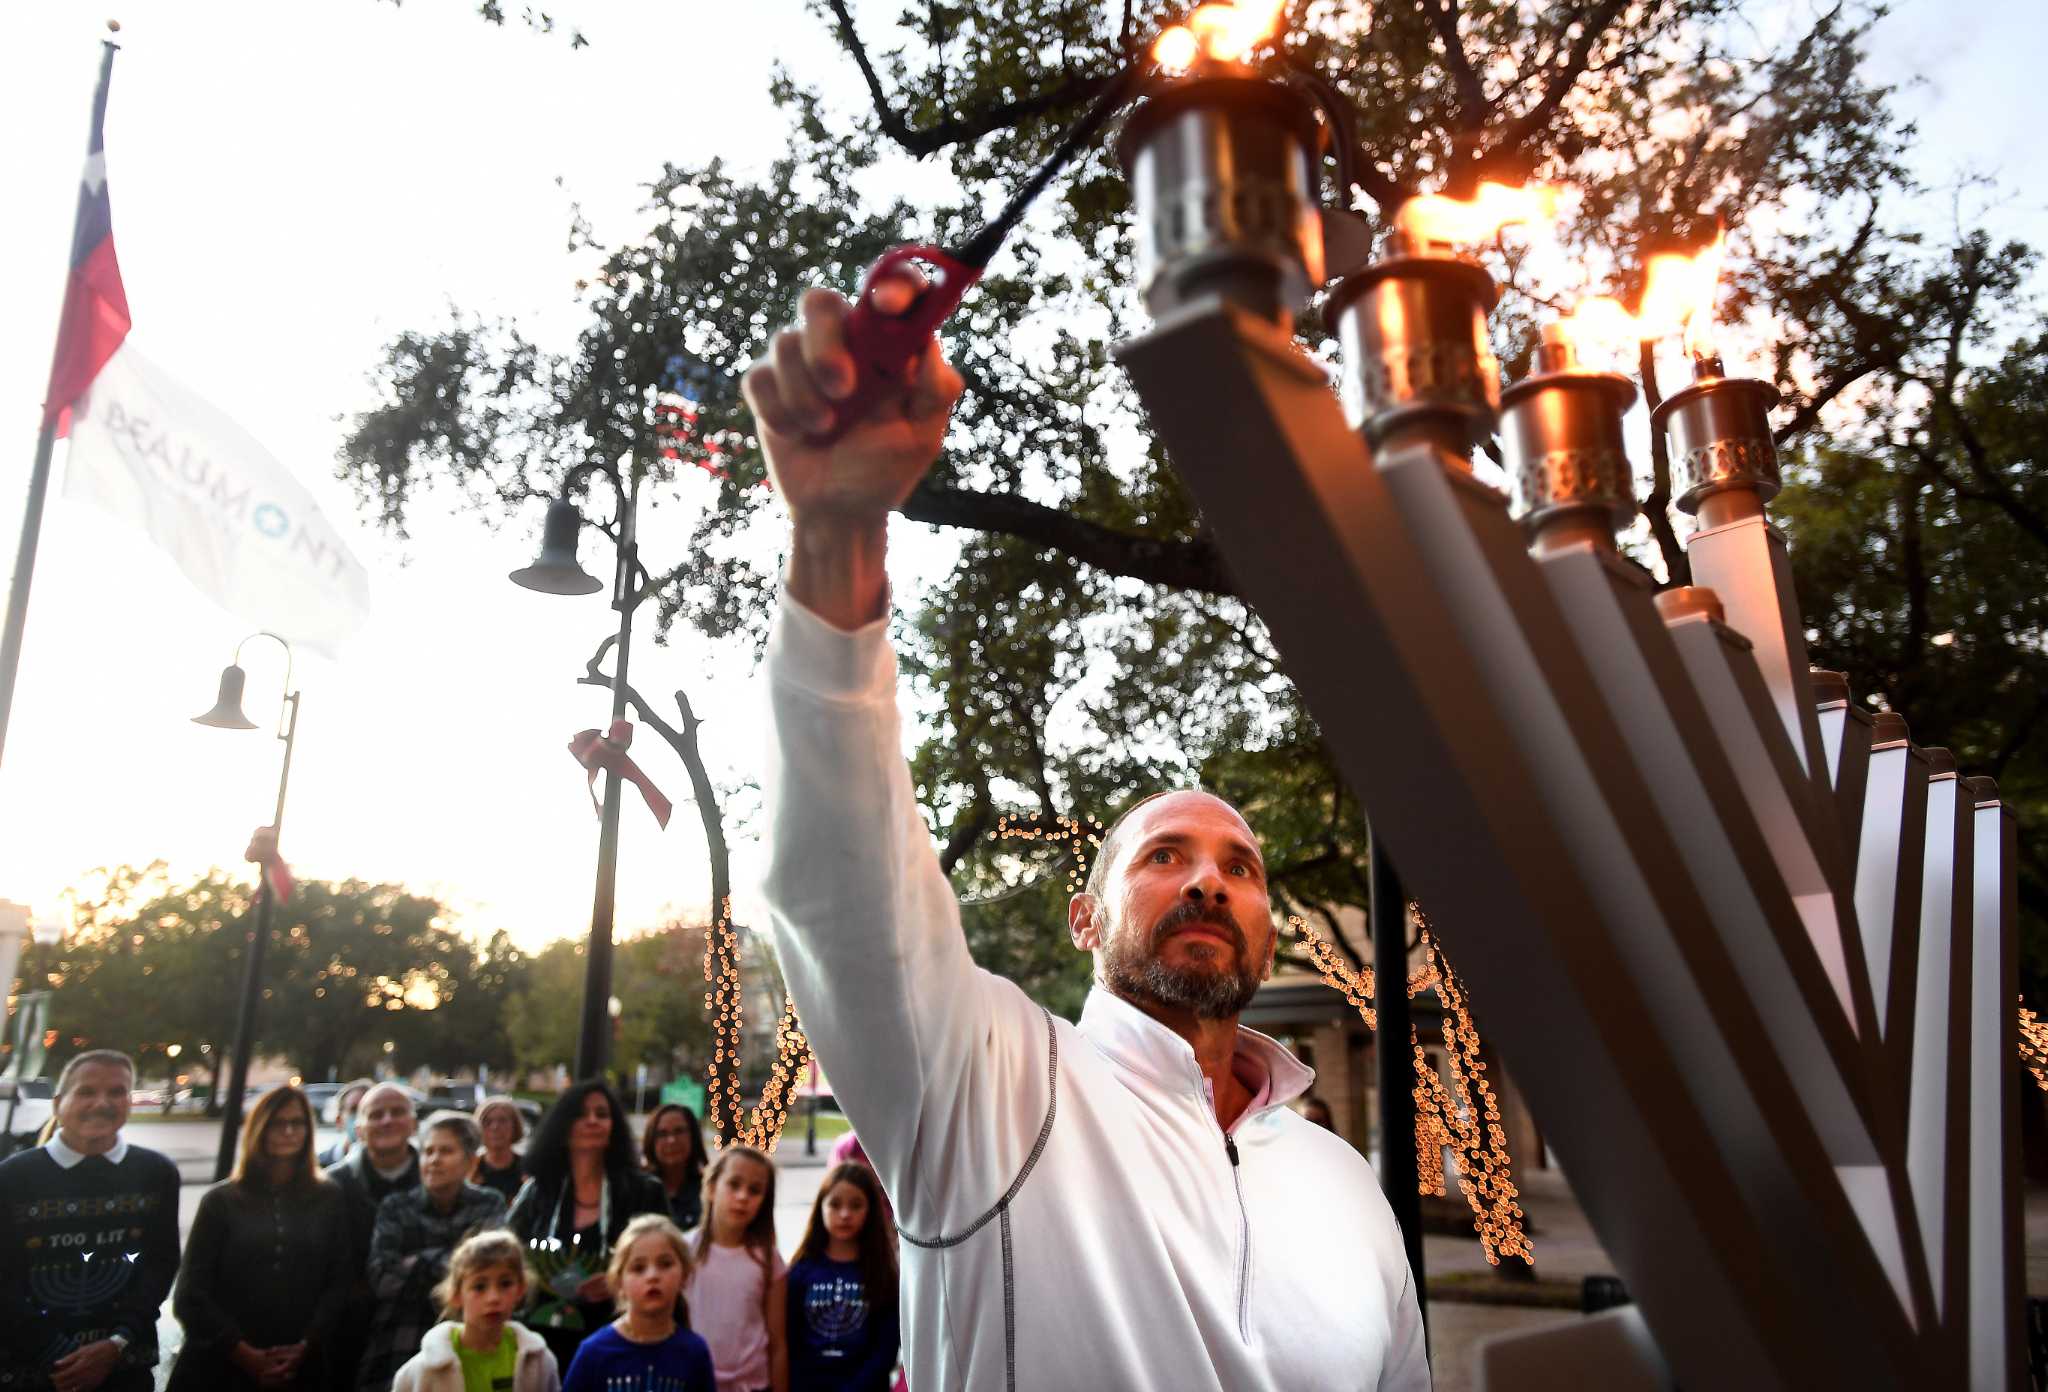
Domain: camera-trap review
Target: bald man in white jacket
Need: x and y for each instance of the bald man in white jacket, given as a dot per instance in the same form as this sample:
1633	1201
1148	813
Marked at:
1126	1203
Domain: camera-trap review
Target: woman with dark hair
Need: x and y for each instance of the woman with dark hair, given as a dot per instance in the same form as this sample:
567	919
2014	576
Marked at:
266	1267
498	1166
584	1184
673	1145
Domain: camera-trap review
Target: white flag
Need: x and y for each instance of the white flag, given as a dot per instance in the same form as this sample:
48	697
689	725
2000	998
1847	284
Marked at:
234	519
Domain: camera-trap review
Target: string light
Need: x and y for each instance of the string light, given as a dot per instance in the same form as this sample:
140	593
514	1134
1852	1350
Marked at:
1082	838
760	1126
1463	1116
2034	1044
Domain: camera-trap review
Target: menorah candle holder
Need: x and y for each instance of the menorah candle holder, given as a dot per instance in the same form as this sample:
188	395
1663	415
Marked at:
1725	671
1453	637
1724	468
1845	740
1938	1119
1746	926
1891	848
1561	427
1997	1260
1718	435
1666	933
1224	172
1416	357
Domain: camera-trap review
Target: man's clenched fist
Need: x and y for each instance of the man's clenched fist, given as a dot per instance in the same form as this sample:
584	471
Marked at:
840	495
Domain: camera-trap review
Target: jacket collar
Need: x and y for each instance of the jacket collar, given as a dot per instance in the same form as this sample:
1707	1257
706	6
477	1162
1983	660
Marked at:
359	1161
437	1349
467	1197
1137	1043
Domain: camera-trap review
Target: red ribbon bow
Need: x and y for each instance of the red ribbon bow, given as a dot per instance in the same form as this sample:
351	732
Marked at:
263	851
607	751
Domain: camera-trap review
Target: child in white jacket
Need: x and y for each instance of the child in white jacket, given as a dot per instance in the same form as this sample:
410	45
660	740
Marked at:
479	1347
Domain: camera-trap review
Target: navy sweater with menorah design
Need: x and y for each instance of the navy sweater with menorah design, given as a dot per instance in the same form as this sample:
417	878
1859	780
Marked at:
85	1252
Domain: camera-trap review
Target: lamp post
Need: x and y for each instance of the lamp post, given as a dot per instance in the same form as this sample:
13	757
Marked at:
556	572
227	715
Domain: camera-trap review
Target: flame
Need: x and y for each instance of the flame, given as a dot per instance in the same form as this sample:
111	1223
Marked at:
1222	33
1678	297
1431	219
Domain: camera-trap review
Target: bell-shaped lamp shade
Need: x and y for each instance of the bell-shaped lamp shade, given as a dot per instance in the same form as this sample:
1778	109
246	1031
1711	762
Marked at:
227	711
556	571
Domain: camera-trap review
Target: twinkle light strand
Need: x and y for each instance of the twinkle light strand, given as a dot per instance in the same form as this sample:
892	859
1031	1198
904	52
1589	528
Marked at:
760	1126
1080	838
1464	1115
2034	1044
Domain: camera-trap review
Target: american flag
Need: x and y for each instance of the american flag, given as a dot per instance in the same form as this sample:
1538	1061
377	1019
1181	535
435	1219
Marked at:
685	382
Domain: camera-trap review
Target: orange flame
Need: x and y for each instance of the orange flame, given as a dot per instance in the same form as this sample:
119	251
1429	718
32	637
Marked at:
1222	33
1678	297
1431	219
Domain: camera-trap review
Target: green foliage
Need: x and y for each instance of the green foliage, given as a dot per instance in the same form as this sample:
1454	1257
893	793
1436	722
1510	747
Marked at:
149	964
659	981
1922	561
1087	644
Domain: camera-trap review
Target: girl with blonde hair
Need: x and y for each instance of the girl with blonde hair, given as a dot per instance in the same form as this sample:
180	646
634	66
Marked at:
648	1345
479	1346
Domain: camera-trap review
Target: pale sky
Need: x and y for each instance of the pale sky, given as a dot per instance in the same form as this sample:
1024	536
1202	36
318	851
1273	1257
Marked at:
292	186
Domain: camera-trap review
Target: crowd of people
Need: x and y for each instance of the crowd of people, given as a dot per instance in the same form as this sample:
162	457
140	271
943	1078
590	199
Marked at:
436	1256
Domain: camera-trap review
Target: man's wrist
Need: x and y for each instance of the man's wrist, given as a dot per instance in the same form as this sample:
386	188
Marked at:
838	568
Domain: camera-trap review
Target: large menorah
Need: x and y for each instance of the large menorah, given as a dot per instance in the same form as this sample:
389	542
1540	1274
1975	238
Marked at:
1749	949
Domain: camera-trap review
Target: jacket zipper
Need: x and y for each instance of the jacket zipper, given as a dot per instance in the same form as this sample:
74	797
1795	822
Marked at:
1244	1248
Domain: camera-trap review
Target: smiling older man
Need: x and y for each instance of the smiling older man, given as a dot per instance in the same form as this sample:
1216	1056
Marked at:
88	1242
1124	1204
384	1163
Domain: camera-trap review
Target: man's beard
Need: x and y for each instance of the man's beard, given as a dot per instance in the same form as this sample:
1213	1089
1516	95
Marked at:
1133	968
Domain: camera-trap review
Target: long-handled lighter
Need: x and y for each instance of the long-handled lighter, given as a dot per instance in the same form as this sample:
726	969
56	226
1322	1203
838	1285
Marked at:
886	347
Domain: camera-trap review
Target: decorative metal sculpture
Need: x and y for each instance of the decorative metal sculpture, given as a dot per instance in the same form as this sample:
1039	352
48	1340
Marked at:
1750	951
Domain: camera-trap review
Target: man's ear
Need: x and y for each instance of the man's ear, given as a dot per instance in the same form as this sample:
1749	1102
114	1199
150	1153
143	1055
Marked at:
1084	921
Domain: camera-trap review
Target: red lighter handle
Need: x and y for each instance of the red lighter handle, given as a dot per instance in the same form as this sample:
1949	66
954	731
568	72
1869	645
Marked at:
886	347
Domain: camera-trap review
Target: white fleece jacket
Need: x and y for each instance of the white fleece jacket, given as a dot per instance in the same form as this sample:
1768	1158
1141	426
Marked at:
435	1368
1074	1220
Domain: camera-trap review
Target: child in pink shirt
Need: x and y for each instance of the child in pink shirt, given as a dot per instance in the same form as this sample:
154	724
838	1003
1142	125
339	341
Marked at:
735	1291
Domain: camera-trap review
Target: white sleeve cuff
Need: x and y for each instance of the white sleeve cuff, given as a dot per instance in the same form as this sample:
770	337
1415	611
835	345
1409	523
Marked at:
806	652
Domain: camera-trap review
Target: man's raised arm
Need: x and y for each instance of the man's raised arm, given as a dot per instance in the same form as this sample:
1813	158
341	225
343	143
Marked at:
941	1068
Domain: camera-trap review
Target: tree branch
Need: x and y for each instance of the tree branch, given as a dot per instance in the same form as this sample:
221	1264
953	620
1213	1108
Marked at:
1073	92
969	827
1657	506
684	742
1185	565
1473	107
1808	416
1531	123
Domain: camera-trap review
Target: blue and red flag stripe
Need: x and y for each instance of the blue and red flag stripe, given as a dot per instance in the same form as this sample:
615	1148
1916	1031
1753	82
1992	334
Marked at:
95	304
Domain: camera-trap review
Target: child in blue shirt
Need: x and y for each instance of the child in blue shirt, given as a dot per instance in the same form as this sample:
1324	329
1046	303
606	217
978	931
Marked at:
842	1323
644	1349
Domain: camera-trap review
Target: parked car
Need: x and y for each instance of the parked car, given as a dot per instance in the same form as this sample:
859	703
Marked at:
319	1093
30	1111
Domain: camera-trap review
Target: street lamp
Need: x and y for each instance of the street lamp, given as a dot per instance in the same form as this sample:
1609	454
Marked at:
171	1052
556	571
227	715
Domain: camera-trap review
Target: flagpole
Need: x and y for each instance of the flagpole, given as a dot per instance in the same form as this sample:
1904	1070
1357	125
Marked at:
46	441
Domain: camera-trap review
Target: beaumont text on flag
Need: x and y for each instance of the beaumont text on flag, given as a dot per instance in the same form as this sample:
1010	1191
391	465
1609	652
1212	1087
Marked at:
234	519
